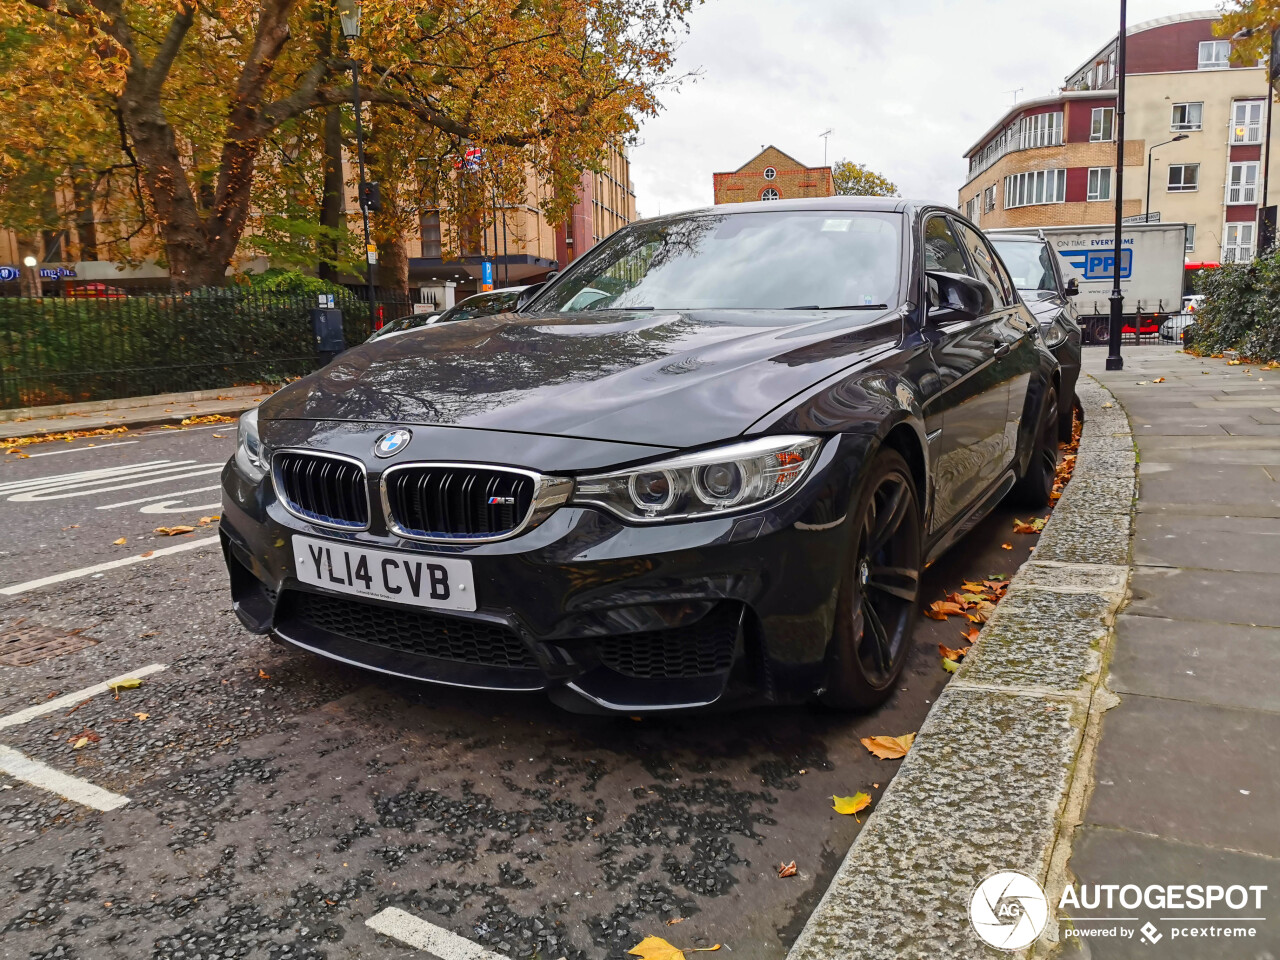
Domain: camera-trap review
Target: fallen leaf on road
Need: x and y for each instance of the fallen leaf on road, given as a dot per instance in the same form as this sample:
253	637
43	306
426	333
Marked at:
128	683
1006	546
218	436
121	542
851	805
1107	406
889	748
80	743
949	653
971	634
941	609
204	521
670	923
1158	380
172	531
1234	363
263	675
85	736
210	418
1034	525
655	948
147	554
142	716
787	869
950	666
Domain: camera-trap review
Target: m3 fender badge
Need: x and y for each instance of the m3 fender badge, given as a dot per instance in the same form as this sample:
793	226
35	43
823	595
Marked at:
392	442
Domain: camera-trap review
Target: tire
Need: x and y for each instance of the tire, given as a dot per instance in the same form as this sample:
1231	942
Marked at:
1035	487
876	610
1066	420
1099	329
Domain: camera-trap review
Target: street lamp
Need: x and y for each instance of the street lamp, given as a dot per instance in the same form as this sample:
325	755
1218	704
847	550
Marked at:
349	14
1114	360
1146	208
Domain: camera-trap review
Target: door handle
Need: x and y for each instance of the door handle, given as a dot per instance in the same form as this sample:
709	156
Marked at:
1002	350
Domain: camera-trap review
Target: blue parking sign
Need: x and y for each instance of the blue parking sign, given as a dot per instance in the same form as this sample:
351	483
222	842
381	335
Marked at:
486	275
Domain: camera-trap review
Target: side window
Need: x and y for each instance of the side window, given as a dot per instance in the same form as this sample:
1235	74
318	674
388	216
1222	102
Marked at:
987	267
941	251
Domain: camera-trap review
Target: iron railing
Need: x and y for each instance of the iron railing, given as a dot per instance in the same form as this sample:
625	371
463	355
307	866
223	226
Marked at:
64	349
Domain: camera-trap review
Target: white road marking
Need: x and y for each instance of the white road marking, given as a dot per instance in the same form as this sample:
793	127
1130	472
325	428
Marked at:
97	446
62	491
59	479
79	696
177	506
158	496
416	932
24	768
18	588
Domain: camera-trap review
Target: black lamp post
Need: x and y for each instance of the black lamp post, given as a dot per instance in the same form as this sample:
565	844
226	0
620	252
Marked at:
1114	360
349	14
1146	207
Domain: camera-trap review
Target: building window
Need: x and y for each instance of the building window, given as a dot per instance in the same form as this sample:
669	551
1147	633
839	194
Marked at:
1189	245
1184	177
430	228
1099	183
1215	54
1104	119
769	194
1111	65
1035	186
1041	130
1186	116
1237	242
971	208
1242	183
770	173
1246	121
989	199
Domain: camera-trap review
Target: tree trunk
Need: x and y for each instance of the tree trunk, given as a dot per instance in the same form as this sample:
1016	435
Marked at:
393	266
331	198
86	222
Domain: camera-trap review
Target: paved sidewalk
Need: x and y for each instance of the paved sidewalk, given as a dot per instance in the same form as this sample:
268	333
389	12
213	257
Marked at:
1187	776
130	412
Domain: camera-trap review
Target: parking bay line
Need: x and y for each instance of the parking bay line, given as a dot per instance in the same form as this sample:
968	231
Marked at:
21	767
103	446
79	696
159	496
416	932
17	588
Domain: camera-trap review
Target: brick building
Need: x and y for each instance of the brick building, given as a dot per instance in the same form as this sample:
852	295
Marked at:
1051	160
772	175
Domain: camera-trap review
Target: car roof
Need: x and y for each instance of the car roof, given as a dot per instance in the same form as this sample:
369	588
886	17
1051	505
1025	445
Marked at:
486	293
868	204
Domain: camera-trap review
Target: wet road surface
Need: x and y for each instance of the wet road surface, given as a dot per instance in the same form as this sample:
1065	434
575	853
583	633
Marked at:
275	801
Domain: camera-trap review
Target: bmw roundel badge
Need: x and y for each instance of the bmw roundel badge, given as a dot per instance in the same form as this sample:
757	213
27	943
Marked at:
392	443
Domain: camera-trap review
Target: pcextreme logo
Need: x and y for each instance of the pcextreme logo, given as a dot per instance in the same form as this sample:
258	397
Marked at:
1008	910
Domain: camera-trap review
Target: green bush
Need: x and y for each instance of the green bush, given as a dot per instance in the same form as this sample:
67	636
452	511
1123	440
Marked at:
1241	309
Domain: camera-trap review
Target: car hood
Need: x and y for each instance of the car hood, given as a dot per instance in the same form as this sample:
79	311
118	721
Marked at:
1044	309
671	378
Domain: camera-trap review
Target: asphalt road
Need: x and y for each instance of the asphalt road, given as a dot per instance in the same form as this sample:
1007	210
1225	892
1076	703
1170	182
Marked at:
276	801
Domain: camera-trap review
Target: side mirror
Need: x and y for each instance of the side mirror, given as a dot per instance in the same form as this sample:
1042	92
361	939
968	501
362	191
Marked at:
526	296
1072	288
954	296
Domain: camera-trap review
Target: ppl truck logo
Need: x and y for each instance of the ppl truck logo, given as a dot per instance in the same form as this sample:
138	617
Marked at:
1099	264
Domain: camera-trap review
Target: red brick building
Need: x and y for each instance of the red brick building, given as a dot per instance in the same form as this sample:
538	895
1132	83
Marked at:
772	175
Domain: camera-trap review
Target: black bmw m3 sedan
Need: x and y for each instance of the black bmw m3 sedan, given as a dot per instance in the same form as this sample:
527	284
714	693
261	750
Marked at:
707	463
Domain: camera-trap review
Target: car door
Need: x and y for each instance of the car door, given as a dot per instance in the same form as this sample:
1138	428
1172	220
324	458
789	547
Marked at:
971	451
1017	359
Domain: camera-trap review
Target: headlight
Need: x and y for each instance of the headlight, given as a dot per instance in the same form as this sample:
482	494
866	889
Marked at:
695	485
1055	334
251	458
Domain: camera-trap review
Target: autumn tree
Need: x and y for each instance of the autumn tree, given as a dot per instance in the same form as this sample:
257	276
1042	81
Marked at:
214	104
855	180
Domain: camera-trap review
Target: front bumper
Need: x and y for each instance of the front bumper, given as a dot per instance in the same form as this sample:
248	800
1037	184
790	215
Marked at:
601	614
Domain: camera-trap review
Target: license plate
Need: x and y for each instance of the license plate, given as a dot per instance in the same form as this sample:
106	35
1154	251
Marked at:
437	582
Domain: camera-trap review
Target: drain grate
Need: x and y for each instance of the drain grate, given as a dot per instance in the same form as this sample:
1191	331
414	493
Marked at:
23	647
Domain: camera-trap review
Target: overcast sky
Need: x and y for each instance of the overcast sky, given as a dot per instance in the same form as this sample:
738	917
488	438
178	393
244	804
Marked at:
906	86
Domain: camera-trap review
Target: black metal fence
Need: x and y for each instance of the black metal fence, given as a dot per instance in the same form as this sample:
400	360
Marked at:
62	350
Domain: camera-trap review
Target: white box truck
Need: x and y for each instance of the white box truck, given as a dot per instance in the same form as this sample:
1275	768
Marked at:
1151	269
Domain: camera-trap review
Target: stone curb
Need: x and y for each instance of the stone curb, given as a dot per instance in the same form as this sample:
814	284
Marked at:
991	778
126	403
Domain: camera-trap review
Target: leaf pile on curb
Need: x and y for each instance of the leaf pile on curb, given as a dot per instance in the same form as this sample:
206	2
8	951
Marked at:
13	443
208	418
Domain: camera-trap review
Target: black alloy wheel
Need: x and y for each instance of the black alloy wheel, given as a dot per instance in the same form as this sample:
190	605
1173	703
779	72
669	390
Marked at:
1100	329
1035	489
876	610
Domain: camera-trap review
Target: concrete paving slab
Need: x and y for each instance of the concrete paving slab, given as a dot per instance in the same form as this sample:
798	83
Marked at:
1219	543
1204	774
1103	856
1206	663
1223	483
1210	596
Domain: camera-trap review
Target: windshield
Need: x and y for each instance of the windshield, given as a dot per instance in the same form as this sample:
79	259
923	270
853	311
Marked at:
802	259
1031	264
